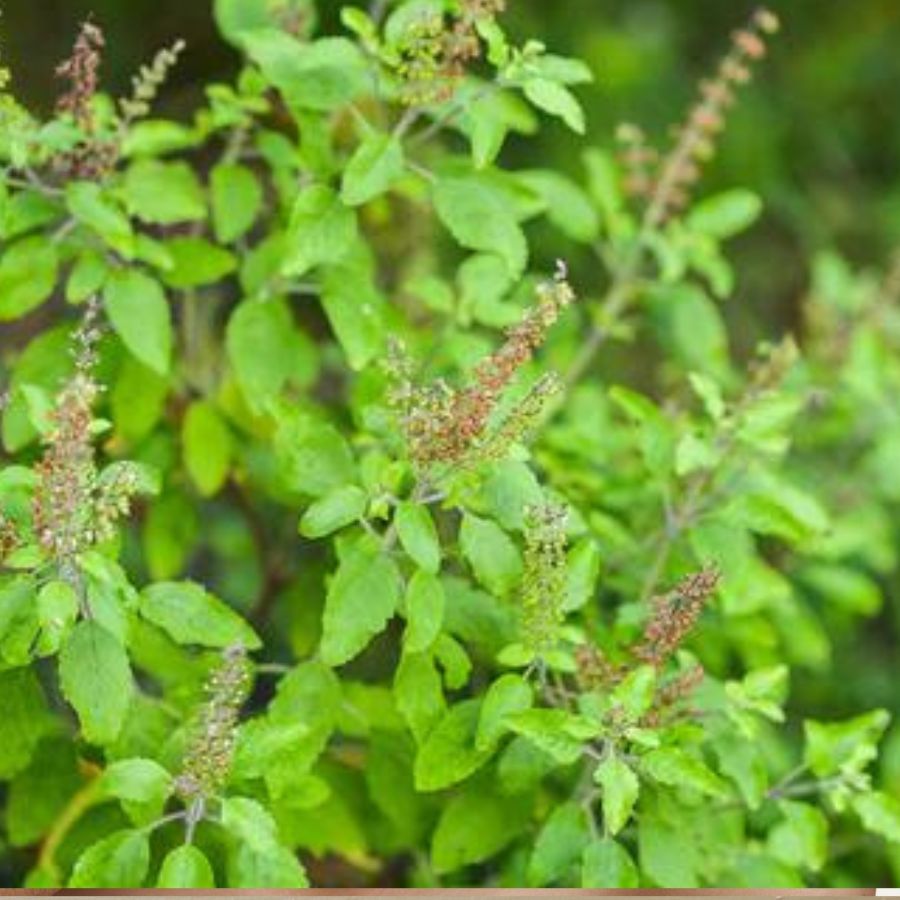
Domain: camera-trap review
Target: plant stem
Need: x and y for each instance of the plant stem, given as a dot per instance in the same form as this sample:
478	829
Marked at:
620	292
272	669
377	9
406	121
80	802
457	108
613	305
791	776
419	495
33	183
165	820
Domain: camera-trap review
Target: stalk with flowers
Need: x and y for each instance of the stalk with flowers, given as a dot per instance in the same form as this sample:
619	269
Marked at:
314	568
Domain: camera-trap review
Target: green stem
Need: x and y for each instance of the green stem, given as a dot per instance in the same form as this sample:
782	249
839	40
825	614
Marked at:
456	109
80	802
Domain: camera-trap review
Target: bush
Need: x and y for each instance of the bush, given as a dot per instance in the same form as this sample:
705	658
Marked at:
335	549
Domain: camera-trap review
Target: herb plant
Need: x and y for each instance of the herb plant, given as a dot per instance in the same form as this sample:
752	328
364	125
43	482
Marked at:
336	547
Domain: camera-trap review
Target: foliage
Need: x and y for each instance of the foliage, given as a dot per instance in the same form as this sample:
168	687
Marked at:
314	568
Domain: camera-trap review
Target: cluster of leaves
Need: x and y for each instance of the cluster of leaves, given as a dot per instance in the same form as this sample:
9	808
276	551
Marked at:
464	621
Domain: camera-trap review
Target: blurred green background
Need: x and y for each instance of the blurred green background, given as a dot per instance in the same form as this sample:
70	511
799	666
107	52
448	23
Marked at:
817	135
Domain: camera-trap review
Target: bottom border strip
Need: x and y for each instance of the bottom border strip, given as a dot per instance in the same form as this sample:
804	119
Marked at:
412	893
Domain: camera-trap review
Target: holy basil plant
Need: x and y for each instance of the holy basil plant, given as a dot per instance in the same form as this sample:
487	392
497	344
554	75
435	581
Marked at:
341	541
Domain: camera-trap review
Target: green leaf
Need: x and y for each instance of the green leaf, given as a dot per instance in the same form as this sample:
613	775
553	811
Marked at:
197	262
424	611
418	693
726	214
169	535
522	767
676	768
310	694
260	860
762	691
265	744
801	837
95	678
561	69
480	217
118	861
138	400
277	868
250	822
508	695
709	391
390	784
156	137
19	621
568	207
690	325
252	325
448	754
361	599
604	186
654	430
39	795
207	447
322	230
844	587
24	719
490	117
185	867
24	211
557	100
373	169
605	863
189	614
360	23
635	693
546	729
741	761
693	454
474	826
139	313
109	595
163	193
758	870
880	814
237	198
666	854
559	845
849	746
454	660
142	786
337	509
355	310
418	536
582	571
490	552
620	787
27	276
274	868
782	510
318	75
89	205
510	486
487	132
87	276
235	18
313	456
